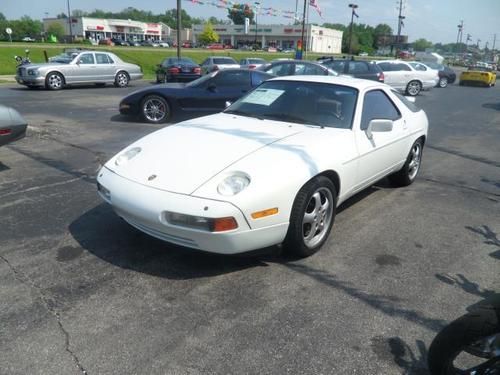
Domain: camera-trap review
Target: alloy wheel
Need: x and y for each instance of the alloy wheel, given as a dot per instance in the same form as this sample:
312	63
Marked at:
154	110
317	216
415	159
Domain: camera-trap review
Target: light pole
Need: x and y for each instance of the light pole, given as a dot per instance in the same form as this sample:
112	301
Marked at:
459	34
178	29
256	3
70	24
353	12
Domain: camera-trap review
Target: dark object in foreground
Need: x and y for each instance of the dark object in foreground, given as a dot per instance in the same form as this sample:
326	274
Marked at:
12	125
206	95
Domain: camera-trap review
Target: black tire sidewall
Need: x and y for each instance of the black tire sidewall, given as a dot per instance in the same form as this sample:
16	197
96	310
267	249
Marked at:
419	85
401	177
167	106
294	242
116	79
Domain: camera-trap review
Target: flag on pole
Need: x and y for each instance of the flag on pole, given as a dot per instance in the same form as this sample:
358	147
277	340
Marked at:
314	4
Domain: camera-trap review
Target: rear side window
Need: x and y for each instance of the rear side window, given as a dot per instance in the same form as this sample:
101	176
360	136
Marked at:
358	67
102	58
400	67
338	66
385	66
378	106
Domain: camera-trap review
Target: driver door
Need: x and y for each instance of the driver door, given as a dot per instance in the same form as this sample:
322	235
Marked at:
86	68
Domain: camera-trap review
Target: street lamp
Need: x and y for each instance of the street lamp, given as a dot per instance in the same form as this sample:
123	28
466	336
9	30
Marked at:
256	3
353	7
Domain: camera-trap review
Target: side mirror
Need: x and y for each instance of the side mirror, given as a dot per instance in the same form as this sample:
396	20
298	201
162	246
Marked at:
212	87
411	99
378	126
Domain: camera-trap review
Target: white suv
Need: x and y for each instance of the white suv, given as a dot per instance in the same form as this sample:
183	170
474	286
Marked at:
408	77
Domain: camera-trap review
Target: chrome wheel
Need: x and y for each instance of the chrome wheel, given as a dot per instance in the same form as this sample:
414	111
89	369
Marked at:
54	81
317	217
155	109
443	82
122	79
414	88
415	159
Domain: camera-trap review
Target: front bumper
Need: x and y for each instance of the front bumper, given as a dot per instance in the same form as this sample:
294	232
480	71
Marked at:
30	80
144	207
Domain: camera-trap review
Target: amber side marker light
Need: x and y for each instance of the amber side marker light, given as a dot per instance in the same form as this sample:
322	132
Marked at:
264	213
224	224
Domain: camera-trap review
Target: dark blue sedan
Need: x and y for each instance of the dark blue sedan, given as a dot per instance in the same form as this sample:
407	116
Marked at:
206	95
174	69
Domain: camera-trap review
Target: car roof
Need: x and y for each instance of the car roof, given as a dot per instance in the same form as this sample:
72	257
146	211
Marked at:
360	84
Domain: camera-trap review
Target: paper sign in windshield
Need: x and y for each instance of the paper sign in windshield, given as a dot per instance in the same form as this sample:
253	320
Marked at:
263	96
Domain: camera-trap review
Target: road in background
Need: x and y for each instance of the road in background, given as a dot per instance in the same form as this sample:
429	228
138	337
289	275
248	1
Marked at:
84	291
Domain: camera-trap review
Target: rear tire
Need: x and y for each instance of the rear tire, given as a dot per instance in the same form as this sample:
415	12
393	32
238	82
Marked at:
413	88
312	217
155	109
121	79
406	175
443	82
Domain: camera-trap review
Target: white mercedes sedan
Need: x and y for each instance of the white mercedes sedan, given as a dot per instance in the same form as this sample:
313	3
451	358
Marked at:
271	169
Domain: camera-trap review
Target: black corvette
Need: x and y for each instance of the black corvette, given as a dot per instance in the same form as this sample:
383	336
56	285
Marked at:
206	95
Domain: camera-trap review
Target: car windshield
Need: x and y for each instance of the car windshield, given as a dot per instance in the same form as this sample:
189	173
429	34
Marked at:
175	60
307	103
64	58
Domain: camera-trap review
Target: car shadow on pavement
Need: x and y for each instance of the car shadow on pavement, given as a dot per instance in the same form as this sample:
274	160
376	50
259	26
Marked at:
101	232
495	106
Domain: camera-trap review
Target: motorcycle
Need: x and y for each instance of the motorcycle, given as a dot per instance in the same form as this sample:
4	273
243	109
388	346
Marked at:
469	345
23	60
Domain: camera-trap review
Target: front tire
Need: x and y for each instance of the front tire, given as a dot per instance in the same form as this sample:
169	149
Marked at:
312	217
413	88
462	343
155	109
122	79
54	81
443	82
406	175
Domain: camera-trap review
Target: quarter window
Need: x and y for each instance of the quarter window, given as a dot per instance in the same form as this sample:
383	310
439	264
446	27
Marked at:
378	106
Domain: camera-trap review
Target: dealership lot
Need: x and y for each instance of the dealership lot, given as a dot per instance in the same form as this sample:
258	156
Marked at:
84	291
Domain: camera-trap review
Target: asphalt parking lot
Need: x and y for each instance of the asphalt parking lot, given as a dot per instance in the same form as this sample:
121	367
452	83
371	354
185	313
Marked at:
83	292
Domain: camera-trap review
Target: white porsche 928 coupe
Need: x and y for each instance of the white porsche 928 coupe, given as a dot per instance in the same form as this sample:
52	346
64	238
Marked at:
271	168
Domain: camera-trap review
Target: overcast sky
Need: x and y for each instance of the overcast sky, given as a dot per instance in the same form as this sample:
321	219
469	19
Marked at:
435	20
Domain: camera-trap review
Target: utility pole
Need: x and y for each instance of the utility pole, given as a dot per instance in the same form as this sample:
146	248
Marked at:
256	23
459	35
178	29
494	42
400	25
303	27
353	12
70	24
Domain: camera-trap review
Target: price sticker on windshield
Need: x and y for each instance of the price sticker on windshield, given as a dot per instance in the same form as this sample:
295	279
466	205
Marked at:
263	96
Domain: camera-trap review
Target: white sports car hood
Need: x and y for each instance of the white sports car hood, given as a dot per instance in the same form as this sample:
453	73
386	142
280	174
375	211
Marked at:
182	157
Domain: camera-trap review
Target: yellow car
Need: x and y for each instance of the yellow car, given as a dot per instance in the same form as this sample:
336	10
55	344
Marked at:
478	75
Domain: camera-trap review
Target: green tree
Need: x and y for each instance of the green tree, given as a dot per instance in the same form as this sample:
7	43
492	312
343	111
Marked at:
208	35
62	15
335	26
239	12
421	44
56	29
2	17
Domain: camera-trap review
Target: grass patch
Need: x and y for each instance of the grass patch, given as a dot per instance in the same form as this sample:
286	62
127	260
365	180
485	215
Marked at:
146	57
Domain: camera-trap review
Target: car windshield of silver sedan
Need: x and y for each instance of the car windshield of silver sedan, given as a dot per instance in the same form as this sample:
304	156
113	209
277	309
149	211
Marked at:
64	58
307	103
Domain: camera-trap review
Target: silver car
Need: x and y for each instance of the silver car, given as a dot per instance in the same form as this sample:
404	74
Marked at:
82	67
213	63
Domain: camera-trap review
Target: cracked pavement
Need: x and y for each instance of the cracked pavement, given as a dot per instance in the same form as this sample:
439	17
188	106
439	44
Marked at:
83	292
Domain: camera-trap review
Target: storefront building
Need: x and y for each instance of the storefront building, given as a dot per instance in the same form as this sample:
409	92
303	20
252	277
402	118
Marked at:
317	39
98	29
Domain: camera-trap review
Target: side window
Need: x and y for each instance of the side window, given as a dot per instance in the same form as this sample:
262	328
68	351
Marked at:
313	70
356	67
386	67
378	106
403	67
232	78
86	58
102	58
420	67
281	69
206	62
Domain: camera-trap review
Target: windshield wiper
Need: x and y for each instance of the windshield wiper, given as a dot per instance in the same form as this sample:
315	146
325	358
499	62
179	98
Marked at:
290	118
243	113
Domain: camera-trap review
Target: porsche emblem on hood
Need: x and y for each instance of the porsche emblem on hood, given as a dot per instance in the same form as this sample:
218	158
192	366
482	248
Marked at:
152	177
